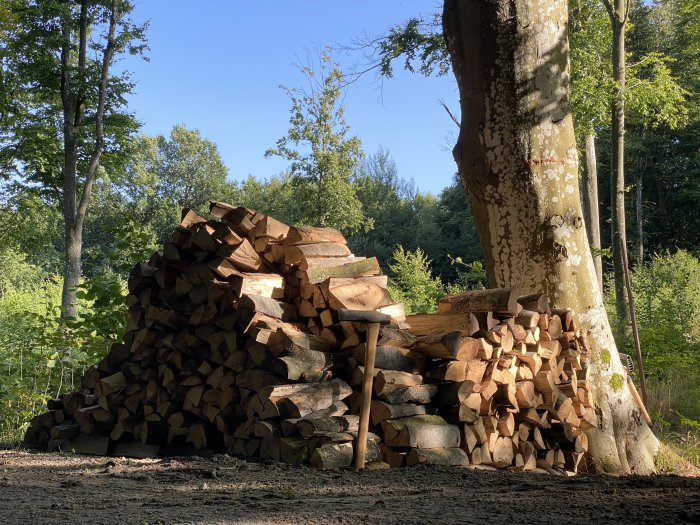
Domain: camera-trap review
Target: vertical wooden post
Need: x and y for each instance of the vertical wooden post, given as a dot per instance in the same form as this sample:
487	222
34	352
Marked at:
633	319
370	352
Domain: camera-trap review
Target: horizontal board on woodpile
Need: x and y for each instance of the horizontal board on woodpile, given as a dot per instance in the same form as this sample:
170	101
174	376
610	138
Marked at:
247	335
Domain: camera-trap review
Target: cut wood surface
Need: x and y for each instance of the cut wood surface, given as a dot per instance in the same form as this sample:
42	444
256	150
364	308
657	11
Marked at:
454	345
358	296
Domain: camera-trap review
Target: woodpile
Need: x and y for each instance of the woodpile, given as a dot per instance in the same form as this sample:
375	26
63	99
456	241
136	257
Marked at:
492	379
234	343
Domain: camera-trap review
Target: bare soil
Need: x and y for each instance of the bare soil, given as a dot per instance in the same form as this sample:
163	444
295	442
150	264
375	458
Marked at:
68	489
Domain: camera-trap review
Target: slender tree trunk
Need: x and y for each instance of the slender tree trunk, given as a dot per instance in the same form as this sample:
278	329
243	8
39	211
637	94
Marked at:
73	102
73	247
592	205
618	19
640	219
517	158
73	232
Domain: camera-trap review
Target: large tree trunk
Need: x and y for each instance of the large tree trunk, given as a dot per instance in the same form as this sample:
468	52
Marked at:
517	158
618	19
592	207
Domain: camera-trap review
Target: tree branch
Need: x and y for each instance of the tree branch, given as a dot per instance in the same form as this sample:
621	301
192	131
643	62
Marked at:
609	8
454	119
627	13
94	163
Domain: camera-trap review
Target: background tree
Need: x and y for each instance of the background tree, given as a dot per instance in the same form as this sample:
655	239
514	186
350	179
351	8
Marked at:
71	107
591	83
386	201
274	196
618	11
168	174
323	156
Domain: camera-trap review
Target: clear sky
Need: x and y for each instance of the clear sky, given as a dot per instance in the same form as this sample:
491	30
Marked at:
217	65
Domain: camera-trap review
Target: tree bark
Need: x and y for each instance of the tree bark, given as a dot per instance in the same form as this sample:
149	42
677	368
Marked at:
517	159
618	19
592	205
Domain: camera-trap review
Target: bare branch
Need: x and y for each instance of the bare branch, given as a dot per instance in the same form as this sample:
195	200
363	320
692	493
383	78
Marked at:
454	119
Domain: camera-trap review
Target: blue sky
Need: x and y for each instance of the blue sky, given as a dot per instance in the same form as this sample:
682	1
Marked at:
217	65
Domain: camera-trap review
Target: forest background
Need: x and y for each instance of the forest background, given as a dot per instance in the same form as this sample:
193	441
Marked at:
427	243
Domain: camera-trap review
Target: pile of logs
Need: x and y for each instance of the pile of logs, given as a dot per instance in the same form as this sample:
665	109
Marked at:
491	379
234	343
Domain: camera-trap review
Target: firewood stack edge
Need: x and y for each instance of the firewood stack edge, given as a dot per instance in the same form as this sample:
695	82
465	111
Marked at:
234	344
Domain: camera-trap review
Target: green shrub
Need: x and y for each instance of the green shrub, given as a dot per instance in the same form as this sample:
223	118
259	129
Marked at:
413	282
15	272
42	355
666	295
470	276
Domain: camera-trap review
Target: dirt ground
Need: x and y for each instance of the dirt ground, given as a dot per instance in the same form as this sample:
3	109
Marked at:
65	489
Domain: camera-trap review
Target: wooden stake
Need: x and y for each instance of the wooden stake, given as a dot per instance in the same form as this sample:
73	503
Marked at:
372	336
633	318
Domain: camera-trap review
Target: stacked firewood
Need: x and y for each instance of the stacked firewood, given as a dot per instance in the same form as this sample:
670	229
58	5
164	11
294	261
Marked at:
491	379
234	343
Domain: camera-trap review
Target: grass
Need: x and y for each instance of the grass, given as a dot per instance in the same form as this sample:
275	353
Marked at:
674	404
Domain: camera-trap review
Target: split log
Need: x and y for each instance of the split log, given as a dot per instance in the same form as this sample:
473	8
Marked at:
453	345
306	427
453	457
299	400
497	300
458	371
454	393
420	432
434	324
379	410
391	379
268	306
305	234
422	394
458	413
295	254
393	358
351	269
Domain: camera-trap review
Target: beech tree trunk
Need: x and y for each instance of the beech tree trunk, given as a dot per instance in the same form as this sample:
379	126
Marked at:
517	159
592	207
